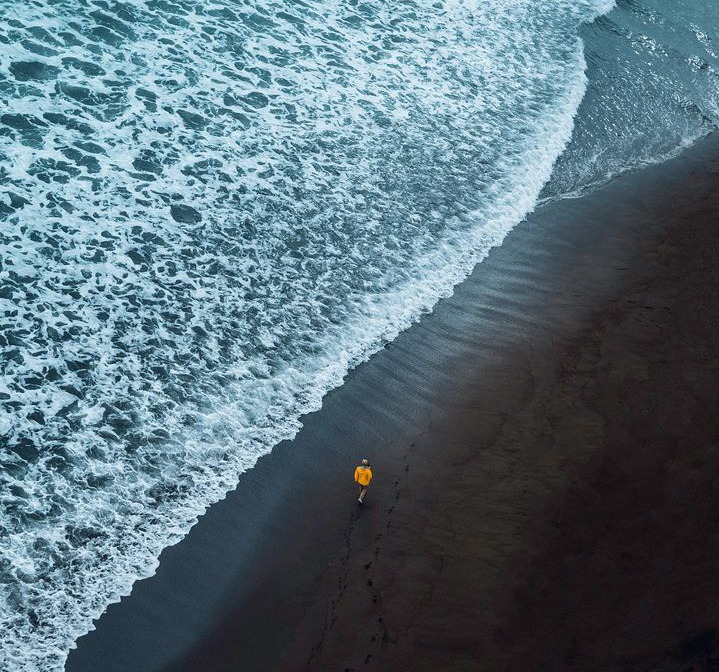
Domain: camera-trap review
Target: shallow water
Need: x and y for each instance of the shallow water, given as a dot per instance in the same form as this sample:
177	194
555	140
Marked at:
212	211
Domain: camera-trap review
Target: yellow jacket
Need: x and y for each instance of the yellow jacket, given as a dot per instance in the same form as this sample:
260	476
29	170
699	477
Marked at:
363	475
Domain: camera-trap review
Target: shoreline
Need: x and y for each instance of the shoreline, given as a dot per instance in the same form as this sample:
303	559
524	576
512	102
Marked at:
495	427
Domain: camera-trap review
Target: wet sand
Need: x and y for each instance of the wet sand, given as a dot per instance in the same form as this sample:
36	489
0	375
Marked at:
546	451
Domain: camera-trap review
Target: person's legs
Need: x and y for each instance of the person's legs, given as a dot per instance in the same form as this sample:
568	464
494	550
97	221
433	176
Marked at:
363	492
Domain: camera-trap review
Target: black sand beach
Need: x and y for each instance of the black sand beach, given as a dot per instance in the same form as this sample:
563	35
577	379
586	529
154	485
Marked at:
546	451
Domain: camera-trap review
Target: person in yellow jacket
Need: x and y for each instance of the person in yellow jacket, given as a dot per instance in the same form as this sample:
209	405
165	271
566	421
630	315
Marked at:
363	475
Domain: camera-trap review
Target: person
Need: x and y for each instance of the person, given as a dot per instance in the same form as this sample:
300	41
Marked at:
363	475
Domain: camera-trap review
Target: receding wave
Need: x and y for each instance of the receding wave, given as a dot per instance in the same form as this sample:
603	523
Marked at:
212	211
653	90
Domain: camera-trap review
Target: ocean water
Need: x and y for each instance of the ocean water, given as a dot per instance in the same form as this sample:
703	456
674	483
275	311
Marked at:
210	211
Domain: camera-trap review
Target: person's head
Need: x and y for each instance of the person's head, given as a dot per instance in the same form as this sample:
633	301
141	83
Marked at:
365	463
